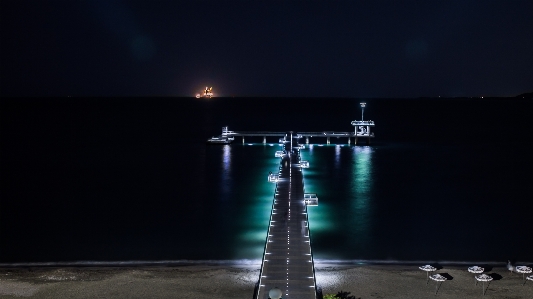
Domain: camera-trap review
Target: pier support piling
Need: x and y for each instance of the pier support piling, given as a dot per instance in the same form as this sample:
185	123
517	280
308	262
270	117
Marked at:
327	140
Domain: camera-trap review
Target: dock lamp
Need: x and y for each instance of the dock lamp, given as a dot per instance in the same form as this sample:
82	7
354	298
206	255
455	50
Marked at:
363	104
275	293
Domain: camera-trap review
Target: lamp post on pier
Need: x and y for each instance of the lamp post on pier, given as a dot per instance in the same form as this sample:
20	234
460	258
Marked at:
291	145
363	104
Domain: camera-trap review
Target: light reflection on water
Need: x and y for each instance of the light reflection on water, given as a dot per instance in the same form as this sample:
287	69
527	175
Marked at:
217	197
342	176
253	196
353	218
337	156
319	216
360	194
226	166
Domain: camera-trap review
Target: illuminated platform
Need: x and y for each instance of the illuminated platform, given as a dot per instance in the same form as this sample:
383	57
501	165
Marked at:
273	177
207	93
225	138
279	154
311	199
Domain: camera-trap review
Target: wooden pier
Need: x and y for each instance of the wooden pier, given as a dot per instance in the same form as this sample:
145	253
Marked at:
288	259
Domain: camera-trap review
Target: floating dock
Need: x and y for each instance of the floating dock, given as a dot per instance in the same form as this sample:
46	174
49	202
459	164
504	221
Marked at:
288	259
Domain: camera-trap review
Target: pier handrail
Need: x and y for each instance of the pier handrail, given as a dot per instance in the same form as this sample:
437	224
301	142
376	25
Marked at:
363	123
256	294
311	247
310	243
258	133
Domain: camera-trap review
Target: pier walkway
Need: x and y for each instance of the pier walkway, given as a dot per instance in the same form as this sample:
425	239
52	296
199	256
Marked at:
288	260
362	130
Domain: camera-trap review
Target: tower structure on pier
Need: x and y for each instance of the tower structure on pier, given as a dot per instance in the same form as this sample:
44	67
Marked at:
362	127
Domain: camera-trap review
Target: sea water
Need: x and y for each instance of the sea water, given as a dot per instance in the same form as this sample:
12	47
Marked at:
133	179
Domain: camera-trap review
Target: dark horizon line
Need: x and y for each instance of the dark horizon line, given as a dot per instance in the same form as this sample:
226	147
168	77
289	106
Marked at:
526	95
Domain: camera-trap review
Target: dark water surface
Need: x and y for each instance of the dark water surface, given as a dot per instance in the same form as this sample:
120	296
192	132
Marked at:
132	179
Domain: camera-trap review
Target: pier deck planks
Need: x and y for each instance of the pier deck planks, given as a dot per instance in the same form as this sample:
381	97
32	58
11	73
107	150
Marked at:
288	263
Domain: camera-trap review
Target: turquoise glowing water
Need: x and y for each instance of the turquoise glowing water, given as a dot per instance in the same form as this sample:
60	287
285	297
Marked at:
412	202
85	184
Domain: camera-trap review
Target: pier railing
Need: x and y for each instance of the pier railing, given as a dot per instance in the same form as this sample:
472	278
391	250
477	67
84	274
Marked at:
311	246
257	133
310	241
258	285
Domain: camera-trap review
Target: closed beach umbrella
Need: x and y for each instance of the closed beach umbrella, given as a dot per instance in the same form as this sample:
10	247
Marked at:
476	270
438	278
510	266
484	278
524	270
427	268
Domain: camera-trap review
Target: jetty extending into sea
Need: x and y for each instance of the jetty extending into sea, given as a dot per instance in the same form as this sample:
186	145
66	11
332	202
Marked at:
287	265
362	131
287	268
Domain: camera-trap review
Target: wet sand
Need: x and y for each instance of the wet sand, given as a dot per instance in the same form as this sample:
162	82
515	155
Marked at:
237	281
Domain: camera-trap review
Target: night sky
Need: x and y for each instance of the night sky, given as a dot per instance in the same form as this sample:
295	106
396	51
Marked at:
369	48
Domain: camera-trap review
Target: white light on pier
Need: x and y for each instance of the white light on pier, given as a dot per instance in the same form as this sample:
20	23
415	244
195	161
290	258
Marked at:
363	104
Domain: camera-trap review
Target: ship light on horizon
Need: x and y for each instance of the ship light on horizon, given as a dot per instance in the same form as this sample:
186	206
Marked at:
207	93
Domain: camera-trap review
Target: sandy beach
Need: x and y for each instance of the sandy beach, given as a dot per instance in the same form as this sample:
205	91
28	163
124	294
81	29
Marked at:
237	281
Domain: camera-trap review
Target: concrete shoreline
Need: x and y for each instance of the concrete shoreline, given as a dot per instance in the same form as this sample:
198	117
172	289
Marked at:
238	280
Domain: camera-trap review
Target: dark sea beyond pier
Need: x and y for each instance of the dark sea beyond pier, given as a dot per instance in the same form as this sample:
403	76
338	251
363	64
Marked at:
87	180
